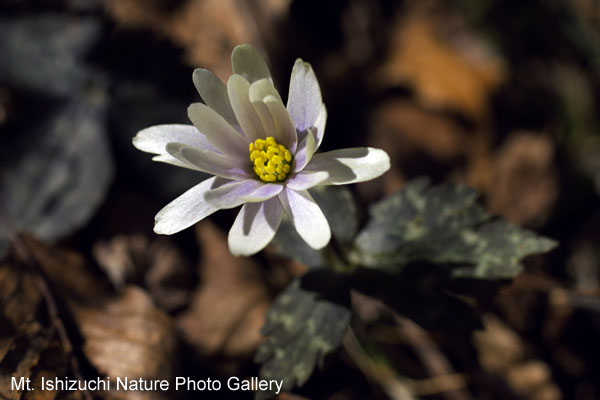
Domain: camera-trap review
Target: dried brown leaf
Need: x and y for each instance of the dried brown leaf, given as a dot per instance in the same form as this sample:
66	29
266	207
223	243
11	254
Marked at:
207	29
158	264
457	74
525	184
127	336
227	310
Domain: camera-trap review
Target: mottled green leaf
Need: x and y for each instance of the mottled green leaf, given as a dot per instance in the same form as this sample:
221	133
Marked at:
45	53
444	224
53	185
339	208
301	328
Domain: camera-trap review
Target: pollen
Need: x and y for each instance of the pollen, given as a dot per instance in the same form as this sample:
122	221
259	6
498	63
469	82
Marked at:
271	160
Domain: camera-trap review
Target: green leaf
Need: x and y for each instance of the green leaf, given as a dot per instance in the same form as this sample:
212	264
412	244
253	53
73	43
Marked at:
55	185
338	205
46	52
301	328
444	224
289	244
339	208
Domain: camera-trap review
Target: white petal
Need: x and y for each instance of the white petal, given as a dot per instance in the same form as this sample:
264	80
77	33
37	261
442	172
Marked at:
155	138
185	210
286	133
260	89
218	132
266	119
211	162
254	227
169	159
350	165
238	89
304	99
235	193
307	217
305	151
306	179
320	125
214	93
247	62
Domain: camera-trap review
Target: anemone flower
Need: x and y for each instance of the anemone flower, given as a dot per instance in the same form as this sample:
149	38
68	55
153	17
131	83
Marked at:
262	155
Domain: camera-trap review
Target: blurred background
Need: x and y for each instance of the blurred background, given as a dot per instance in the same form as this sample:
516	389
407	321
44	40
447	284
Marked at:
500	95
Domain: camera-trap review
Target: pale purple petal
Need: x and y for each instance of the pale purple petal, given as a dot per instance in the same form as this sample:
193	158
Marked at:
247	62
254	227
233	194
304	99
211	162
218	131
306	179
305	151
214	93
350	165
286	133
185	210
307	217
238	90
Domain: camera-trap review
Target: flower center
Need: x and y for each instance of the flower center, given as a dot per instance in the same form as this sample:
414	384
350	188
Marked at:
272	161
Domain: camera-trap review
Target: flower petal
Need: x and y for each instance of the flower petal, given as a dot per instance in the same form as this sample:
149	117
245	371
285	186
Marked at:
307	217
185	210
320	125
350	165
214	93
155	138
247	62
286	133
254	227
218	132
260	89
238	89
306	179
304	99
169	159
211	162
235	193
266	119
305	151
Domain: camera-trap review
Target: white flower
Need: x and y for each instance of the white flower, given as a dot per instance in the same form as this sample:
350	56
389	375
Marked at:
261	152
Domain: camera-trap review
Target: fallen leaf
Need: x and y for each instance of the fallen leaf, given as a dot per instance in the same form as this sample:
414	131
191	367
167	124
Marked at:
525	183
446	71
407	127
157	264
227	310
125	334
207	29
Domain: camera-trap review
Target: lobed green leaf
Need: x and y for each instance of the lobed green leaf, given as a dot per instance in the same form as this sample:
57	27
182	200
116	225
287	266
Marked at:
444	224
301	328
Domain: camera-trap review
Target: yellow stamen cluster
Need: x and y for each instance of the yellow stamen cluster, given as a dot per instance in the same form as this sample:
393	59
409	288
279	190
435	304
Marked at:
272	161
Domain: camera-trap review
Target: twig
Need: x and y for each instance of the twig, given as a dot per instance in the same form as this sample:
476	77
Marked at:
443	378
395	387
